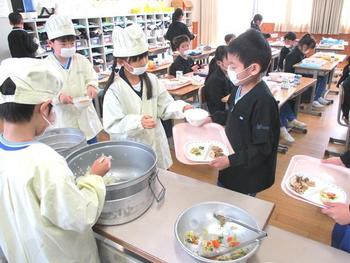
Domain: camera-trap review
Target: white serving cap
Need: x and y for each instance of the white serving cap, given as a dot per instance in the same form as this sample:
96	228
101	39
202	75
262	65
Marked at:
59	26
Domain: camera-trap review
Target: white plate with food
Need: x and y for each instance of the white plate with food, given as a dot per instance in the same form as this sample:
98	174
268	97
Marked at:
204	151
315	190
172	84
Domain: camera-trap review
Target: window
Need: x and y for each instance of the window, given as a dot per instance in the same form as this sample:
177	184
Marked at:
288	15
345	18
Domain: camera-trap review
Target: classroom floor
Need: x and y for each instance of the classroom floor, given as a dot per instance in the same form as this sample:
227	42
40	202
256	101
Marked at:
290	214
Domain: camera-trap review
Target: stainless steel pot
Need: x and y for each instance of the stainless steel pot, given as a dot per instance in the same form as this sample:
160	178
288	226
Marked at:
63	140
200	219
134	164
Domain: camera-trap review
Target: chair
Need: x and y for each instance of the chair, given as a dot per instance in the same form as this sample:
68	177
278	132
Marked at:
341	123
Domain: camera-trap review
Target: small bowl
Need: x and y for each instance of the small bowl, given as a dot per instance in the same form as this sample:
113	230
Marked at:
196	117
82	102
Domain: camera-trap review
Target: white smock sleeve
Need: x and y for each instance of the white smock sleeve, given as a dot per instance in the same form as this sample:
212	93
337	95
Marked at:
66	204
115	120
168	108
91	76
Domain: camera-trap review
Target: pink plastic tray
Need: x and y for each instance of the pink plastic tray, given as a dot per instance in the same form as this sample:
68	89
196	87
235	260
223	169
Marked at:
184	133
307	165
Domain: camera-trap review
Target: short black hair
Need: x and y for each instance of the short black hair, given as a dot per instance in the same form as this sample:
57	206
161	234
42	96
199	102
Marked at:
65	38
177	14
290	36
15	112
229	37
177	41
15	18
257	18
307	40
251	47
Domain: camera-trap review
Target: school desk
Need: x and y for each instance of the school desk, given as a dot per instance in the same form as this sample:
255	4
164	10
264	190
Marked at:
326	70
277	44
203	57
157	50
275	53
330	48
159	70
186	92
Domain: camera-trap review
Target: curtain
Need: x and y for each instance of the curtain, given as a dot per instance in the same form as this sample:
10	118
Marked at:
345	18
326	15
288	15
208	25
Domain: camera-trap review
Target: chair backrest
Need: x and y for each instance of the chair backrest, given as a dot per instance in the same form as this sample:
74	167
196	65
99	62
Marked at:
201	98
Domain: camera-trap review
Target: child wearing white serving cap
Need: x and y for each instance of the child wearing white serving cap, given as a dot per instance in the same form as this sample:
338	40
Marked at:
79	79
135	101
45	215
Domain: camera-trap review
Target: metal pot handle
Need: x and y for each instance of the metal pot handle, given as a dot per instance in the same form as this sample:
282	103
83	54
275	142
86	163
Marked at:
161	195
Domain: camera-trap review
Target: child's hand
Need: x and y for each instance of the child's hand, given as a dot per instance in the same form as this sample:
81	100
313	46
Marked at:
338	211
65	99
220	163
333	160
148	122
187	107
195	68
91	92
101	166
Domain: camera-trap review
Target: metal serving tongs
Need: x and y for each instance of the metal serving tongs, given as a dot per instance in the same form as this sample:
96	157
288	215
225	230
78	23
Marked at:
223	219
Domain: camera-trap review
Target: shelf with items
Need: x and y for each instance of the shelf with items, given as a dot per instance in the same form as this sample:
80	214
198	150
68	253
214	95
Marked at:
94	34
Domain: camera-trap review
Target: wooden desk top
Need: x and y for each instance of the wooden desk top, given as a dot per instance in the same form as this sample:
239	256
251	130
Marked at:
159	68
337	48
185	90
328	66
283	95
157	50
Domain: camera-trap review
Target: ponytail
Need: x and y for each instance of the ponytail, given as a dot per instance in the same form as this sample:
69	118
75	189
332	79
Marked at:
111	77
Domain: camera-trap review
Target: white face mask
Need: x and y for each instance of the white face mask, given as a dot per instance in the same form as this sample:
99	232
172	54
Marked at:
187	52
233	76
68	52
138	71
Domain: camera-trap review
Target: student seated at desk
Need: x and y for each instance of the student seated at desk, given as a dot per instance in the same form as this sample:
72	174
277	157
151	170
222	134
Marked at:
340	212
252	122
345	82
217	85
229	38
288	120
306	45
182	62
289	43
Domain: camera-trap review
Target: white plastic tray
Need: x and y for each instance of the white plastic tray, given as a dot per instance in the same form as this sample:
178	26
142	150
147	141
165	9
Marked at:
327	173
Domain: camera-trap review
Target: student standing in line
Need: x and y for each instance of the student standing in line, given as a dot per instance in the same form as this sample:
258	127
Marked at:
252	121
182	62
134	101
339	212
256	23
217	84
306	45
80	79
46	213
177	28
229	38
21	44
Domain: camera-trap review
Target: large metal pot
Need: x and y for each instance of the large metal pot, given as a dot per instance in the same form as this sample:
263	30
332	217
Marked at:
199	218
63	140
134	164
